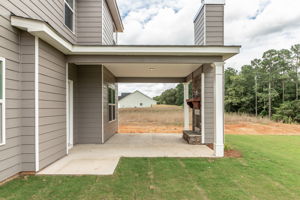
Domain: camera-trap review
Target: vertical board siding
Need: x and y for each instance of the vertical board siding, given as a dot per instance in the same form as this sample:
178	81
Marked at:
88	106
209	107
52	103
89	26
49	11
27	104
108	25
110	128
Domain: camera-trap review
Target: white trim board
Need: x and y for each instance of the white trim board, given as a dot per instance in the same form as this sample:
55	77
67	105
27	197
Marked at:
203	107
70	122
3	101
36	102
67	107
102	102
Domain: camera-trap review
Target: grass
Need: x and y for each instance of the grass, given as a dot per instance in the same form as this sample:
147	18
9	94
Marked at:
269	169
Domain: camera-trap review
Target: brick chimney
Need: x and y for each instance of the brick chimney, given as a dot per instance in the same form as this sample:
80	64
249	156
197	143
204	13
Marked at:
209	23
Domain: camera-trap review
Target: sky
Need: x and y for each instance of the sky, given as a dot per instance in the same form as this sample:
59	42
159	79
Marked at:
257	25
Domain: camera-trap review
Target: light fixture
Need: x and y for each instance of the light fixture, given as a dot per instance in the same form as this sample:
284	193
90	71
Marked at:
152	68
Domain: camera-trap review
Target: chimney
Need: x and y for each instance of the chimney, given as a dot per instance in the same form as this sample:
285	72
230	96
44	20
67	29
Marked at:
209	23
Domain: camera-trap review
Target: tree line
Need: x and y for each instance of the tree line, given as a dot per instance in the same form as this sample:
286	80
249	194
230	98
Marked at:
268	86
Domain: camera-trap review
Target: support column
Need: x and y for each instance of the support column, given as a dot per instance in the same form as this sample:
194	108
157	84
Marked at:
219	109
186	107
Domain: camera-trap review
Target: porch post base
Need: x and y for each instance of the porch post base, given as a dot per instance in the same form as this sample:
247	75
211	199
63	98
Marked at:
219	150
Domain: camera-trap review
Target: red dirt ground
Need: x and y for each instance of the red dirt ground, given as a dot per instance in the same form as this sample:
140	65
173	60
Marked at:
245	128
262	129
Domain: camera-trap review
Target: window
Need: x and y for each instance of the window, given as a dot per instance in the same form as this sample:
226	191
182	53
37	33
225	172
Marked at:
111	104
2	101
69	14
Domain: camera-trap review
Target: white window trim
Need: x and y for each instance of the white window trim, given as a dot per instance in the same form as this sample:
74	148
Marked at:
3	101
73	10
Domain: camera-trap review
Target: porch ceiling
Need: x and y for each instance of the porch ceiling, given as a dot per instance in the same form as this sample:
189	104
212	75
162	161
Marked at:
150	70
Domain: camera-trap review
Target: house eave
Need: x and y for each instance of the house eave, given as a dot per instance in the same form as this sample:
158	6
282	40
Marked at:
49	35
113	7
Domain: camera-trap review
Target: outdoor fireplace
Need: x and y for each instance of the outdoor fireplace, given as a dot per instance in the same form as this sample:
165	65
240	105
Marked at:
194	136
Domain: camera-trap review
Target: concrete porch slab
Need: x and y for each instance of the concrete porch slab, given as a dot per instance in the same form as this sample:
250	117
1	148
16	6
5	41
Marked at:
103	159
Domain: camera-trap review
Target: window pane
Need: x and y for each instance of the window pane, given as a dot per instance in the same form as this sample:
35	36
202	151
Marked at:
1	79
1	136
69	17
114	96
109	113
114	112
71	3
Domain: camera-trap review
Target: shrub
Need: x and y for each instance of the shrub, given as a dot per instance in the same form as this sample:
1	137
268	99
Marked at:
288	112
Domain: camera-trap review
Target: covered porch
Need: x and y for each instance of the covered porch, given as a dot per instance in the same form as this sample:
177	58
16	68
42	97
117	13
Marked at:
203	66
93	159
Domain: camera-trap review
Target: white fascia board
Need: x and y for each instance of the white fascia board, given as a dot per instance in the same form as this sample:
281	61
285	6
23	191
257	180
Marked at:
113	7
43	31
46	33
155	50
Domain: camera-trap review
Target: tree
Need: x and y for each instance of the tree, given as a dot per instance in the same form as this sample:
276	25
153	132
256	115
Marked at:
296	62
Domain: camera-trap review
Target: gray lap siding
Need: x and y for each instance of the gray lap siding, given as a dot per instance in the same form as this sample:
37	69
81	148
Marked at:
209	103
52	104
88	105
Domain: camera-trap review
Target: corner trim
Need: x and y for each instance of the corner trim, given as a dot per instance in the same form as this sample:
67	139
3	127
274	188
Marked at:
36	102
219	109
3	101
67	107
203	107
102	107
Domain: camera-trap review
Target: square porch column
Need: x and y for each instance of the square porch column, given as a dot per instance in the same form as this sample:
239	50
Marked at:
219	109
186	107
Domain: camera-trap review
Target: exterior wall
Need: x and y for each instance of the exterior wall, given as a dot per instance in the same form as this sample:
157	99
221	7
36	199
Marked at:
28	101
89	107
108	25
209	107
110	128
135	99
89	22
52	104
199	28
17	48
209	25
215	25
209	101
51	12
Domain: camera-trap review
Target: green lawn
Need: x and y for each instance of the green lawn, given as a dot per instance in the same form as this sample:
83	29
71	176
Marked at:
269	169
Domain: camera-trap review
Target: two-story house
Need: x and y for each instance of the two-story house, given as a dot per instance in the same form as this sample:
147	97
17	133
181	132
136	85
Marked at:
59	69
